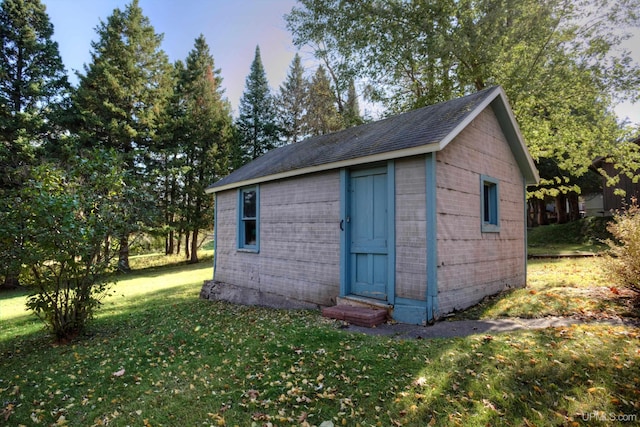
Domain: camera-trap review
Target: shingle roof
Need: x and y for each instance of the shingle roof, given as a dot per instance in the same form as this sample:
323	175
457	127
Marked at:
423	127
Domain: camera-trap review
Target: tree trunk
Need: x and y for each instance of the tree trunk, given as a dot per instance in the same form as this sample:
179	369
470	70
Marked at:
187	252
123	254
561	208
574	207
169	243
532	214
194	247
542	212
10	281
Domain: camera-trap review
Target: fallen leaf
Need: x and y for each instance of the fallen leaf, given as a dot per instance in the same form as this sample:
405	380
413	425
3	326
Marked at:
118	373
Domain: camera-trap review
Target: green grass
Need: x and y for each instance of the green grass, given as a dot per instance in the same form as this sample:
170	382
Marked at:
157	355
561	287
584	235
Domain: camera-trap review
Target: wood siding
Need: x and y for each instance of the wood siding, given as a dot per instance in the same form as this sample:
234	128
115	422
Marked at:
411	250
299	240
472	264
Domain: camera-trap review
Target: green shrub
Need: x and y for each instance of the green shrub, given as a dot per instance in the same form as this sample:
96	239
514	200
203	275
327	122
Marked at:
622	261
62	238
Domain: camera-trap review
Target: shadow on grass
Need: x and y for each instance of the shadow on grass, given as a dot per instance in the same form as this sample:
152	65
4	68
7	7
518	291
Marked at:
553	377
186	361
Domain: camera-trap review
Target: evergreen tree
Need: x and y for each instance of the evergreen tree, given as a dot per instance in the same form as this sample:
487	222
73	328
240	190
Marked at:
33	88
257	124
204	142
119	100
292	101
33	83
351	114
322	115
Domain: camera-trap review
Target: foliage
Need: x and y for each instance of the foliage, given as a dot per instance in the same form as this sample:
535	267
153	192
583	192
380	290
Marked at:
194	148
33	84
584	235
155	352
119	101
65	220
351	113
322	115
559	63
623	262
33	92
292	103
258	130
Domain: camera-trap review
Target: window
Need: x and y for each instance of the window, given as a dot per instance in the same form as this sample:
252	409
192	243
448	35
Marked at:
490	205
248	218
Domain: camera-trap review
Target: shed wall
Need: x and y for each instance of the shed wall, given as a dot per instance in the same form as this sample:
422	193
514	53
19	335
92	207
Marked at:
411	274
299	254
473	264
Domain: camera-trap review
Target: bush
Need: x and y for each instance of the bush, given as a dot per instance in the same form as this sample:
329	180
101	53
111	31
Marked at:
62	238
622	261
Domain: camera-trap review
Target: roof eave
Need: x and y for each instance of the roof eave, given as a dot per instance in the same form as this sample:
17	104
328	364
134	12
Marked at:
497	99
389	155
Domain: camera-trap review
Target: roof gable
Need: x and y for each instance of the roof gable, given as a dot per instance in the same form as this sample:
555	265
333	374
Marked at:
419	131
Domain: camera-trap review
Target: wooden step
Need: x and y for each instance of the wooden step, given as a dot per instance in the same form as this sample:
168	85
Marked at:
360	316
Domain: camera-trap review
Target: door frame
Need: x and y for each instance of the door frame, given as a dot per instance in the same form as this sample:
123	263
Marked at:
345	229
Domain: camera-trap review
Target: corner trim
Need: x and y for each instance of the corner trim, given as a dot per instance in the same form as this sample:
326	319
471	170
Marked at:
432	236
215	235
391	231
344	231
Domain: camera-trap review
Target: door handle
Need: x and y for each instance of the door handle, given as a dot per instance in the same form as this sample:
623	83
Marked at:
342	225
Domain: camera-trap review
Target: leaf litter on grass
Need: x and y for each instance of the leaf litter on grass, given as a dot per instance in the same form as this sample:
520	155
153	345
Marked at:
191	362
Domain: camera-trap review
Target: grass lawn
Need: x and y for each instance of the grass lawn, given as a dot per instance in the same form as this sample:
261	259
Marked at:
585	235
157	355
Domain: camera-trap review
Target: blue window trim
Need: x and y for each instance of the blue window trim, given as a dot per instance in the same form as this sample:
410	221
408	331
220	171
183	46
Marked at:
240	230
489	204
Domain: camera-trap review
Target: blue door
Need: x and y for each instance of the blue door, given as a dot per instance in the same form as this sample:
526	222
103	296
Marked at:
368	245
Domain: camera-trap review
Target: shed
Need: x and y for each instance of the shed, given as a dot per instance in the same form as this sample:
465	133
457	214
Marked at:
422	213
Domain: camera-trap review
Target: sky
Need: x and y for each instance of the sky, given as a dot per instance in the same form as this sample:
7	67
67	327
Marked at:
232	28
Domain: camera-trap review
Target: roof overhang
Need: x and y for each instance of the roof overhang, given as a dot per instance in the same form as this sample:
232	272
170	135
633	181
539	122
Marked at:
496	99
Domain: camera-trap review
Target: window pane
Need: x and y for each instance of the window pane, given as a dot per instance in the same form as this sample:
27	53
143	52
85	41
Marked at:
249	204
487	203
249	232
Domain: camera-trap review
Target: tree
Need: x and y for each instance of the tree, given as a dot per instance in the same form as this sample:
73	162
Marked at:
33	89
351	114
119	100
203	133
292	102
556	60
322	115
257	123
66	216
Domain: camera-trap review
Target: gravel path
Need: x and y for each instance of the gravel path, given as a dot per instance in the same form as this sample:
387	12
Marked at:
463	328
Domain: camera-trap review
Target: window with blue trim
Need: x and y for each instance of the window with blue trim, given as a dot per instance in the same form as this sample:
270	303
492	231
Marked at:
490	204
248	218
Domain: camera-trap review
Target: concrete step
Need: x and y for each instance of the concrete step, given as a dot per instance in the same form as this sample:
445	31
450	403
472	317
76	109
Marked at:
361	316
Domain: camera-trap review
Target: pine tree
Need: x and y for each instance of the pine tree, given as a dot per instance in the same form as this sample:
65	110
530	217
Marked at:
33	89
205	143
351	114
291	102
119	100
257	123
322	115
33	83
